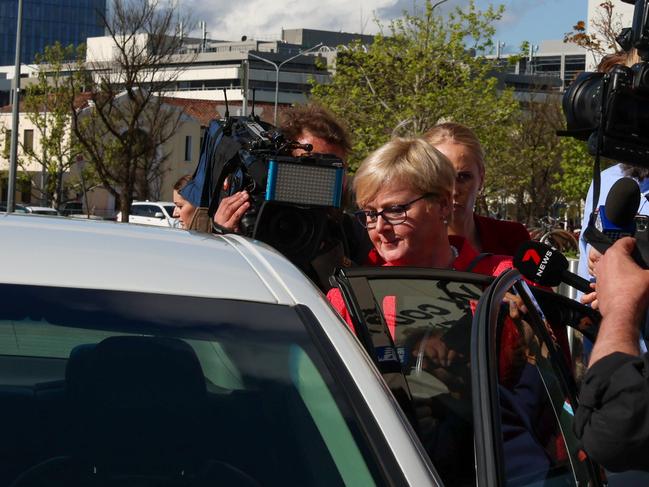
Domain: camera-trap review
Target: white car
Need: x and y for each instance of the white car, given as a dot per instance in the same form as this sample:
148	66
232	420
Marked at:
225	366
41	210
156	213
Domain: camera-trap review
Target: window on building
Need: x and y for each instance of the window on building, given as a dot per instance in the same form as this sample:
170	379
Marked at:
188	148
28	141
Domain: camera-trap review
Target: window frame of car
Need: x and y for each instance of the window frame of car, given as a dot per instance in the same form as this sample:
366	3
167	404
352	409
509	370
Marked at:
354	285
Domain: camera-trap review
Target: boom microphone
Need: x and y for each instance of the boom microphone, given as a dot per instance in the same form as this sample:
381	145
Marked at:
546	266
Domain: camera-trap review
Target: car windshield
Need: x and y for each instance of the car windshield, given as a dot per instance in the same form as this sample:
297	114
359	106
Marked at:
170	210
158	389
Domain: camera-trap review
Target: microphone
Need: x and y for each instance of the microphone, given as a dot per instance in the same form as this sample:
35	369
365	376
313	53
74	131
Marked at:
546	266
616	219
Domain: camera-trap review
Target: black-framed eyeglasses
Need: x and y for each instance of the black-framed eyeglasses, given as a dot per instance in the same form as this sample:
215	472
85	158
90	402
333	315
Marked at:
394	214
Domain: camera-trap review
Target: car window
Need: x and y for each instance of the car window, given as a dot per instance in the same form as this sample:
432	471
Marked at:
170	210
138	210
202	388
533	394
581	322
150	210
427	318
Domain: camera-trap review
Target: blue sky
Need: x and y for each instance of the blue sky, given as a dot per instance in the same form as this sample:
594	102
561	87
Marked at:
533	20
537	20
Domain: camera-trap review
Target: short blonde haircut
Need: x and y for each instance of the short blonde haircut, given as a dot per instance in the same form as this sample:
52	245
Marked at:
456	133
412	162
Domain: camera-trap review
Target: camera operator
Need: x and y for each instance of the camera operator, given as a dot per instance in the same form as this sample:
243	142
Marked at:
305	124
613	415
315	125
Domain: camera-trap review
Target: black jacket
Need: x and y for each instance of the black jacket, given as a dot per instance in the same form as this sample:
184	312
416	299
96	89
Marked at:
613	415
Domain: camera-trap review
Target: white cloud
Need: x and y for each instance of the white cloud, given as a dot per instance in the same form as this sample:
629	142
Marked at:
230	19
262	18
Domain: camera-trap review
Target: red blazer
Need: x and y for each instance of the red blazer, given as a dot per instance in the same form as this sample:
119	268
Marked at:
500	237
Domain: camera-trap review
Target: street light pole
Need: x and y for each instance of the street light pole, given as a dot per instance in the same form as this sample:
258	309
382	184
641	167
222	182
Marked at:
13	157
277	69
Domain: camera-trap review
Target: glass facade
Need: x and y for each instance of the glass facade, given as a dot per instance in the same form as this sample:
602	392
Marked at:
45	22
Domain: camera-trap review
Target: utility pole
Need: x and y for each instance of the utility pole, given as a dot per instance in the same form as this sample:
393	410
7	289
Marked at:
277	68
13	157
245	66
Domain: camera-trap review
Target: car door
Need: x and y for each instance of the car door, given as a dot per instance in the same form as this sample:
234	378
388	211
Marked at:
524	386
422	329
416	326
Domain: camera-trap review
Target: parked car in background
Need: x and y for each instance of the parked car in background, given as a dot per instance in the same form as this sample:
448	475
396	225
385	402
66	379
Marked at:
156	213
42	210
17	208
70	208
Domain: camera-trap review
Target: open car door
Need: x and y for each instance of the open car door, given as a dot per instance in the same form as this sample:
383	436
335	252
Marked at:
524	389
427	329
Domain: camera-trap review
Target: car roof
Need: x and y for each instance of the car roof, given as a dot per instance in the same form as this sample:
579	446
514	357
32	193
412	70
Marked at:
107	255
41	208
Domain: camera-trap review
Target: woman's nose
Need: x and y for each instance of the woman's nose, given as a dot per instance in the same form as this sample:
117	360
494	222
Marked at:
381	223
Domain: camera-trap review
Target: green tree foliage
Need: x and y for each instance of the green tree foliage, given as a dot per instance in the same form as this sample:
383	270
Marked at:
531	160
47	106
420	70
576	170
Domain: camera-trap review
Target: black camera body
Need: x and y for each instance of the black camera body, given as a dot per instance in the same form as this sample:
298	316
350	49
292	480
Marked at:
611	110
294	201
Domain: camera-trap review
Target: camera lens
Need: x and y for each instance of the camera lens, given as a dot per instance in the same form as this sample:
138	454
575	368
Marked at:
295	231
582	102
291	228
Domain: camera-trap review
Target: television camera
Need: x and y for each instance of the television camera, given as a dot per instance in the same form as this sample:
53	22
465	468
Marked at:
611	110
294	201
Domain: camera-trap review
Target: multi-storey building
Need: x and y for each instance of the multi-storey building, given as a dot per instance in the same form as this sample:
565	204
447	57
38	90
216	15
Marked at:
45	22
548	67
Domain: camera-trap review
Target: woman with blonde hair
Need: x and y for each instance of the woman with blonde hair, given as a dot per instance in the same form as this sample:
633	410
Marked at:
404	191
460	144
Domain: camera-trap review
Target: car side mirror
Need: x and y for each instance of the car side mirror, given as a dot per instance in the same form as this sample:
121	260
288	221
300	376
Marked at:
158	214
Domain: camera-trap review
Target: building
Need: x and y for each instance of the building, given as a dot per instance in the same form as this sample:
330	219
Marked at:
548	67
182	151
206	73
240	71
307	38
45	22
214	70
